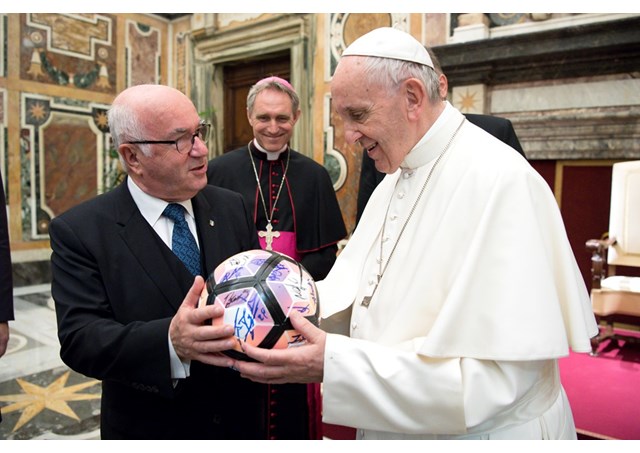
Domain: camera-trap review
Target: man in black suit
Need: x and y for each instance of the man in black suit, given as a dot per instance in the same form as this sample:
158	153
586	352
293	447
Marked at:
500	128
127	306
6	278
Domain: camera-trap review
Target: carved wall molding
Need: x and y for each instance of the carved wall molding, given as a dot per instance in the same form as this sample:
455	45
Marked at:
583	134
526	73
587	50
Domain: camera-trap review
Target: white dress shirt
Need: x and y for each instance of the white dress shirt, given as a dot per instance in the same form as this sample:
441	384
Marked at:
151	209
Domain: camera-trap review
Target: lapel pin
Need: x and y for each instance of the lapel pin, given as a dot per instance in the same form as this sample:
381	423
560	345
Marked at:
211	223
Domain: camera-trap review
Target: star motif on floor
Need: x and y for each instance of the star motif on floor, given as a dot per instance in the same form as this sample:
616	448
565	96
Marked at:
54	397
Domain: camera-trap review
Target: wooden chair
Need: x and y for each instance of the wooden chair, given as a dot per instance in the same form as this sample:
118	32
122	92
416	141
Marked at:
616	298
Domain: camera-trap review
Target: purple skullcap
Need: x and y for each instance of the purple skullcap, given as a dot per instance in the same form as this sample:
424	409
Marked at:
275	79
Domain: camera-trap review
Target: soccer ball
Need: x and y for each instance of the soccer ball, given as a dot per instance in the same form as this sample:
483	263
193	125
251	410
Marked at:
258	290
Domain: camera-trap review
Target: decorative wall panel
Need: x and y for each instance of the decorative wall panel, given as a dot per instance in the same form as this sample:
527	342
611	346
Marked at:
470	98
77	50
143	53
181	43
76	166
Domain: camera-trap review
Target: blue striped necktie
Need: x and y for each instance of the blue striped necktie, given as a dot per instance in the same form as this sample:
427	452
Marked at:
183	243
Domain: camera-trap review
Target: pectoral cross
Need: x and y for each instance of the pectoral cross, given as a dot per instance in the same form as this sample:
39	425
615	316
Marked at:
366	300
269	235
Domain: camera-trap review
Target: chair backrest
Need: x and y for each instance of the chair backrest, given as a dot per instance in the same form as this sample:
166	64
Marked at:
624	220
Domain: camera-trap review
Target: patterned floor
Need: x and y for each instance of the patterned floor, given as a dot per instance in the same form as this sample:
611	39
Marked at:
40	397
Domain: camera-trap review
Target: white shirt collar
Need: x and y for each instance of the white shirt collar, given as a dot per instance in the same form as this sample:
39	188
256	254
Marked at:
151	207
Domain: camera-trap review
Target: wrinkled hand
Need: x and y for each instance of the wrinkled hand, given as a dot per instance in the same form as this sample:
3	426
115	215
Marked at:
195	340
300	364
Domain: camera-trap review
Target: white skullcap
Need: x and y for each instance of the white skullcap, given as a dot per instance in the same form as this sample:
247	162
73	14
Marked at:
387	42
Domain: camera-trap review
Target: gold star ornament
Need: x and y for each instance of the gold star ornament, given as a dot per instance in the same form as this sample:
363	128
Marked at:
54	397
467	102
101	120
37	111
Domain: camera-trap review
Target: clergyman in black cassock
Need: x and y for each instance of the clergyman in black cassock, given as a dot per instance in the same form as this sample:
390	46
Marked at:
294	206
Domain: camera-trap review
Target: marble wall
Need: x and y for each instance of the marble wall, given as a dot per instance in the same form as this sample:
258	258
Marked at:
59	74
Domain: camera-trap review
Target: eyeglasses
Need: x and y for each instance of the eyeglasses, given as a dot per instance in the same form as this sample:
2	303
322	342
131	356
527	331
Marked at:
184	144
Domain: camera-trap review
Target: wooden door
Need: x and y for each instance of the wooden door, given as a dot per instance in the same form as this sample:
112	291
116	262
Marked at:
238	79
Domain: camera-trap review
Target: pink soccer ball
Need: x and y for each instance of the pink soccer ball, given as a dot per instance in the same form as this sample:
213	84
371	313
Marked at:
258	290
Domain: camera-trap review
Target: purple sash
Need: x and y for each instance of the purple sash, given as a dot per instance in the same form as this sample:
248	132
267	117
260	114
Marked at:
285	243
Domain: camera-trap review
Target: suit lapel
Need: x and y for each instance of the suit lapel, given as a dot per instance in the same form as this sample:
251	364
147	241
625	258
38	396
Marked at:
207	233
158	261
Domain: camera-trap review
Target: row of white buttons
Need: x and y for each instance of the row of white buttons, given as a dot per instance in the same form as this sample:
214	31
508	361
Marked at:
373	278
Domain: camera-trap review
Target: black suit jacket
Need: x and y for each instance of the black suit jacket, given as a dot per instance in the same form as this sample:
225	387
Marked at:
500	128
6	278
116	286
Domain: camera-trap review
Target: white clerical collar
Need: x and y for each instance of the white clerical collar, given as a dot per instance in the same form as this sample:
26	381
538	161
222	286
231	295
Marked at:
444	116
435	139
271	155
151	207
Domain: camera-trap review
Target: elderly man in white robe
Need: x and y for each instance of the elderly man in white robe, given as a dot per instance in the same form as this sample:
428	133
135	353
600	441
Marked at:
457	293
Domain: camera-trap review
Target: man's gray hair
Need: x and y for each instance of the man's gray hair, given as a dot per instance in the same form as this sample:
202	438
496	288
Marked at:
124	126
273	83
390	73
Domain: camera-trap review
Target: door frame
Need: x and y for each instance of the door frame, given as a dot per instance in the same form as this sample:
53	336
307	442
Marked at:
294	32
238	79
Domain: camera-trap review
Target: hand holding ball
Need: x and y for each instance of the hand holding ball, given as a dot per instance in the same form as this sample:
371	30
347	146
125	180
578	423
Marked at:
259	289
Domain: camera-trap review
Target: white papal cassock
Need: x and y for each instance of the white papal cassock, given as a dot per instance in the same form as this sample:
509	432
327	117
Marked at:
480	298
